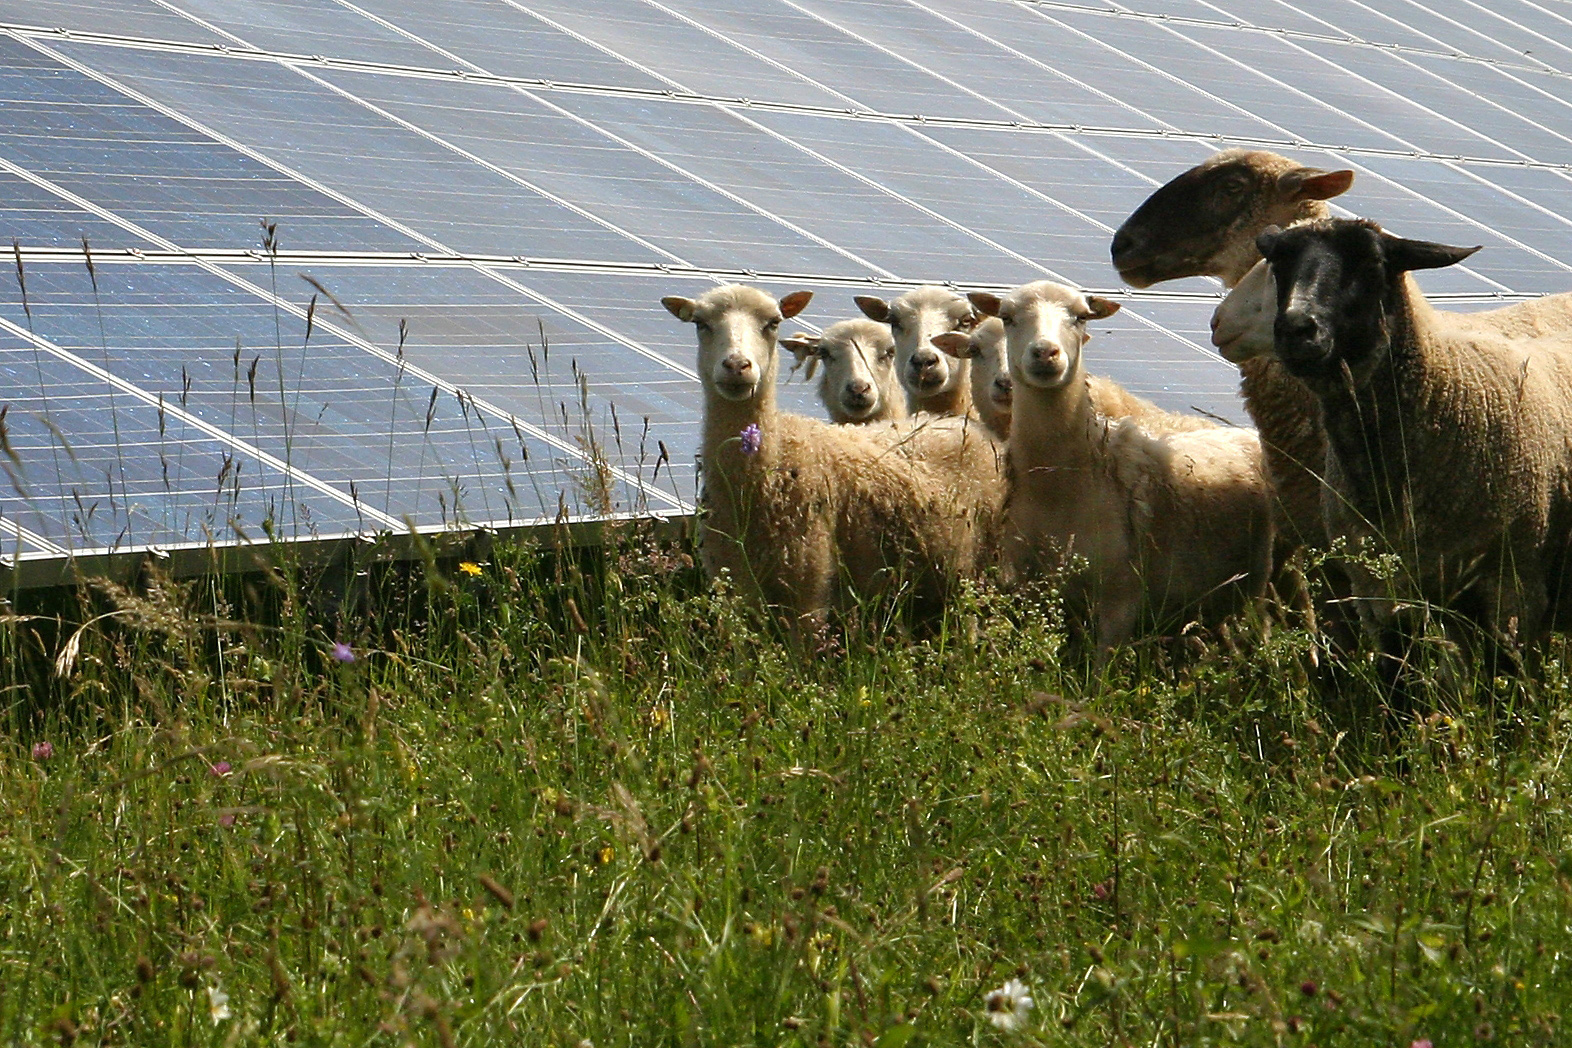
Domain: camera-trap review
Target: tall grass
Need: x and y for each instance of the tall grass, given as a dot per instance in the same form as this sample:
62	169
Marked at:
562	796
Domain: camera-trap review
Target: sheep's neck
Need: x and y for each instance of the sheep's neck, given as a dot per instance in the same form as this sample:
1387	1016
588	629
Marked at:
954	401
1235	270
1384	429
1056	425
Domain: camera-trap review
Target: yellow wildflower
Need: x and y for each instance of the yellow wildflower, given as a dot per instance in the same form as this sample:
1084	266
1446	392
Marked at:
469	567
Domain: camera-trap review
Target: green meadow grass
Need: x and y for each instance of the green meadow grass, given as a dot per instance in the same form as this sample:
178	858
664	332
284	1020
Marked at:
583	799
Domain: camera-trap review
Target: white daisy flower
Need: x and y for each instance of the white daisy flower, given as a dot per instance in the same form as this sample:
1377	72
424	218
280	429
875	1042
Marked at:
1007	1006
217	1004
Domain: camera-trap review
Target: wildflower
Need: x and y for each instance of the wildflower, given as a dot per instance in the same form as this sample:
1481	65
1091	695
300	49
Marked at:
227	819
469	567
606	854
1425	1043
343	652
659	717
1308	988
42	751
217	1004
1007	1006
220	769
752	438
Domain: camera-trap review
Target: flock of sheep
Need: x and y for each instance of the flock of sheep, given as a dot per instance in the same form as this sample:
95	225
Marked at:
967	432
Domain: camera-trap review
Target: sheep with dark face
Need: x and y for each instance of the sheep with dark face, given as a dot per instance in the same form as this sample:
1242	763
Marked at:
1449	445
859	384
935	382
1172	524
807	516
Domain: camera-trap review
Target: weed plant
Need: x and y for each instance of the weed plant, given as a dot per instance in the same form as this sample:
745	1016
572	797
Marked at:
557	798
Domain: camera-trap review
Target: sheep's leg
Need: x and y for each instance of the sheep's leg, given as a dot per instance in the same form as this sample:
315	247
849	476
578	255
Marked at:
1118	614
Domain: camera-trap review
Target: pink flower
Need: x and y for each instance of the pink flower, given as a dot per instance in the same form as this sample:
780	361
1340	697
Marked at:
343	652
220	769
227	819
752	438
42	751
1422	1044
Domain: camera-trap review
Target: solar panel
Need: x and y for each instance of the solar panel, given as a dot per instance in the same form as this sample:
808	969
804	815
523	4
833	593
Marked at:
488	197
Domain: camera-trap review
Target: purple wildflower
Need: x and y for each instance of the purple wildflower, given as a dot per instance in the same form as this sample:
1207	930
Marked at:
1422	1044
227	819
220	769
42	751
343	652
752	438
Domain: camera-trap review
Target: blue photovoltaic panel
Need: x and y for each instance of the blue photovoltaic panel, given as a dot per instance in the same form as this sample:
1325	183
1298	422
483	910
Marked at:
148	169
35	217
404	178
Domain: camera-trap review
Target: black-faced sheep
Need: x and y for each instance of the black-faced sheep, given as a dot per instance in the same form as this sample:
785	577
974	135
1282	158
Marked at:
1449	445
806	515
1173	525
935	382
859	384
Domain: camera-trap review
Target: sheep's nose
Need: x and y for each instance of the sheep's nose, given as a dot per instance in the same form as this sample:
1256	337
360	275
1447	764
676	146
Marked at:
1123	244
1004	384
1297	326
737	365
860	387
923	360
1046	352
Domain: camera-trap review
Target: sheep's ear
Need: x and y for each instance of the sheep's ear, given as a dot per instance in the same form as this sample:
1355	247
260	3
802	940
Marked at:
795	303
1267	239
873	308
681	308
985	303
1100	307
1403	255
1311	183
802	346
955	344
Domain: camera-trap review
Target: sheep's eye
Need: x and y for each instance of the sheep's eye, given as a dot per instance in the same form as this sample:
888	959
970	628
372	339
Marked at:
702	325
895	323
887	355
771	325
1007	321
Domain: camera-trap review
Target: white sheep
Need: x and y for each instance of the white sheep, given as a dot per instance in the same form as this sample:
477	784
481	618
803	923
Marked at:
935	383
993	389
1172	525
1449	444
859	384
806	515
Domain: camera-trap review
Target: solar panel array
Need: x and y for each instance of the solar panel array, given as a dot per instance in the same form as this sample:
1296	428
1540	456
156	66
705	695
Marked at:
486	198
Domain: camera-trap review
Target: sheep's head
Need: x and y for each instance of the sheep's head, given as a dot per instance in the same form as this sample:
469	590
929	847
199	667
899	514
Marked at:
1242	321
914	319
984	347
1044	329
859	366
1339	283
1204	222
737	327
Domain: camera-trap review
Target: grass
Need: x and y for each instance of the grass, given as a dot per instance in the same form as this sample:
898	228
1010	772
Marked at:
583	798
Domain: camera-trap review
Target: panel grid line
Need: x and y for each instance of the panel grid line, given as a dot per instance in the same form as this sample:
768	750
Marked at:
402	260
